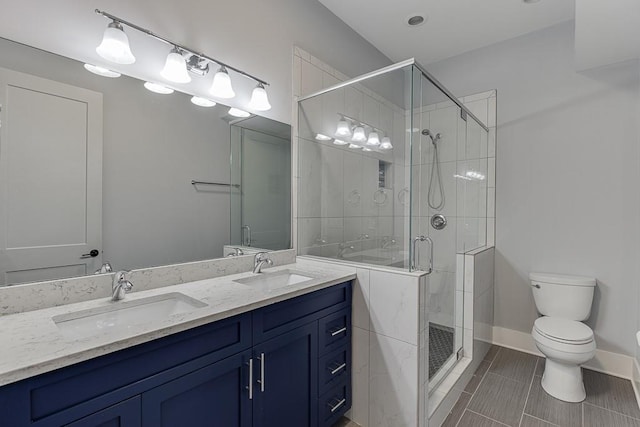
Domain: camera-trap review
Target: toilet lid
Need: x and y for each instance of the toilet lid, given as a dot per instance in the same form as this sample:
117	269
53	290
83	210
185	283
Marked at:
563	330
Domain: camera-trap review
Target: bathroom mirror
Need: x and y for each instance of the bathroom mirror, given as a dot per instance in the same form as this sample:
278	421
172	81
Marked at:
96	169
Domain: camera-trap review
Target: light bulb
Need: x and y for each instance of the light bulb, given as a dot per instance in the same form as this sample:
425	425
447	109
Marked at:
340	142
115	45
158	88
221	86
386	144
259	99
101	71
175	68
343	129
374	139
236	112
321	137
359	135
202	102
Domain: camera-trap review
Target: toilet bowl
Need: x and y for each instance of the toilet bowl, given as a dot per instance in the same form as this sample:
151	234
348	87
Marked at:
566	344
564	302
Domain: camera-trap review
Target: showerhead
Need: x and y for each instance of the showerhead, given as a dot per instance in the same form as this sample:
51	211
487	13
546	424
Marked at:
427	132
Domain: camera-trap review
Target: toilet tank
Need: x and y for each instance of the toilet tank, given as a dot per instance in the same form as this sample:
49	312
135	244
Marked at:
568	297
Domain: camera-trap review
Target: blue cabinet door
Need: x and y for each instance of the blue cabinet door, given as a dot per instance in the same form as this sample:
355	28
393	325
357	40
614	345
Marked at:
124	414
286	375
216	395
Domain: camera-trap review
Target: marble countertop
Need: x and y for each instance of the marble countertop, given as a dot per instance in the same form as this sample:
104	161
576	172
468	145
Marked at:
32	344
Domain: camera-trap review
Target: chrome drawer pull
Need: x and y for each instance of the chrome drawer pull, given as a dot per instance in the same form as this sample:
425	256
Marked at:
338	369
339	331
261	380
250	386
335	408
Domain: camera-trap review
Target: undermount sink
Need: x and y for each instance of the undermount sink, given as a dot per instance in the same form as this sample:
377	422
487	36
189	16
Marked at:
120	316
275	280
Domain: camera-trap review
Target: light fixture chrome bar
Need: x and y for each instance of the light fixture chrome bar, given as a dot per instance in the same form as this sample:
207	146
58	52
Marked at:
362	123
397	66
193	182
179	46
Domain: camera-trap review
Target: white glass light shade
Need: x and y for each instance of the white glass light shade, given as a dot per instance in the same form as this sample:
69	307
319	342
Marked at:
359	135
115	45
343	130
175	68
386	144
202	102
366	149
259	99
339	142
158	88
221	86
354	146
321	137
236	112
101	71
374	139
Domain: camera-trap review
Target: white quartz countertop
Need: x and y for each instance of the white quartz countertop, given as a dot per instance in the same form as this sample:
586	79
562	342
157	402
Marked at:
32	344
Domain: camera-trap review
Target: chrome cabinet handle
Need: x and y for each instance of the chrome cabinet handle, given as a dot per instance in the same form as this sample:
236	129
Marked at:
261	380
250	386
339	331
338	369
338	405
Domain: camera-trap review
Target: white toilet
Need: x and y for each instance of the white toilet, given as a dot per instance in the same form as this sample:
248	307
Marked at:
564	302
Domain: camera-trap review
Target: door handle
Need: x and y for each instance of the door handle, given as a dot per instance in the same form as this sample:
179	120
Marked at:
92	254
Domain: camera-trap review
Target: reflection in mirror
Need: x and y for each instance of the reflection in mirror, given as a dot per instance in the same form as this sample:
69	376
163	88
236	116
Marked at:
98	170
261	185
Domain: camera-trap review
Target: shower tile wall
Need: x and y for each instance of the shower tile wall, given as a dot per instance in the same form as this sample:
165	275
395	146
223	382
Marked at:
341	200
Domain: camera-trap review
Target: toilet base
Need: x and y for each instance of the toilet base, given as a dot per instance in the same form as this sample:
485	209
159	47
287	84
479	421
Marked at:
563	381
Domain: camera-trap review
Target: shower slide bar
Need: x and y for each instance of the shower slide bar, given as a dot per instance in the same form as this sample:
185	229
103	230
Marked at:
393	67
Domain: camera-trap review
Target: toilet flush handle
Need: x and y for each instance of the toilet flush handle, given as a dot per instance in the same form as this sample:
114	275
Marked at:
535	285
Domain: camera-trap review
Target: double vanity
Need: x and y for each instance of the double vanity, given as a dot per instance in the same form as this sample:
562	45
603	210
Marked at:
248	349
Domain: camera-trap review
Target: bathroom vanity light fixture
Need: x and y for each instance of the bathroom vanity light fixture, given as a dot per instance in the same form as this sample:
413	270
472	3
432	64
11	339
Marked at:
181	61
366	149
386	143
175	67
354	146
236	112
358	134
158	88
339	142
343	130
101	71
374	139
115	45
202	102
321	137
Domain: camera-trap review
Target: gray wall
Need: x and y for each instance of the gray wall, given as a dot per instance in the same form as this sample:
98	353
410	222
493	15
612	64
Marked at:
567	175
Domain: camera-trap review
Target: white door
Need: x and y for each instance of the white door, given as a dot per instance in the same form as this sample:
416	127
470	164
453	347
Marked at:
50	179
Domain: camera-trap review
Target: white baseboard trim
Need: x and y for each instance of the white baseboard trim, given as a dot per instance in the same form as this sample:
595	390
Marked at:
618	365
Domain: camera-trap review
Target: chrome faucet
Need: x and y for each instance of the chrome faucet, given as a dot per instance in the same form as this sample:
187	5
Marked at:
344	248
236	252
106	268
260	260
120	285
388	242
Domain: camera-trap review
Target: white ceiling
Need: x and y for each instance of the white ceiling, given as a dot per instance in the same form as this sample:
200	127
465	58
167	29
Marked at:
453	26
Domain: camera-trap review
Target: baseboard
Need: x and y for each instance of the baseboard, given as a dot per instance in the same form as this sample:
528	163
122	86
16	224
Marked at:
636	380
618	365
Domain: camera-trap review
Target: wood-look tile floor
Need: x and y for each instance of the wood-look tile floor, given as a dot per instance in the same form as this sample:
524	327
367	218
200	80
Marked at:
506	390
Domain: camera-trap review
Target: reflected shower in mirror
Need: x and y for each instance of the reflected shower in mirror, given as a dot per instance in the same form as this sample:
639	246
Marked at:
98	170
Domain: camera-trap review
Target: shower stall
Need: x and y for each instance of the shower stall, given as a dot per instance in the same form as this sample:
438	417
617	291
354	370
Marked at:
392	174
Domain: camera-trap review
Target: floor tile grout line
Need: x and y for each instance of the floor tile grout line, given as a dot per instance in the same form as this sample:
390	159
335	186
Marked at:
610	410
489	418
544	421
528	392
474	392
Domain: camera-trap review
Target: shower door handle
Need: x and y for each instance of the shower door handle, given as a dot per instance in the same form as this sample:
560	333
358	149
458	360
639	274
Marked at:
247	241
414	263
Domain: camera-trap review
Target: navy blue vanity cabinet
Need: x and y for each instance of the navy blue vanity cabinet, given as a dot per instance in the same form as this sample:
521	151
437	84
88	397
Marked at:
288	363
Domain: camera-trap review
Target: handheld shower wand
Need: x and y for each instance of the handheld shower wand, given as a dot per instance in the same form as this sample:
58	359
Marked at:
435	173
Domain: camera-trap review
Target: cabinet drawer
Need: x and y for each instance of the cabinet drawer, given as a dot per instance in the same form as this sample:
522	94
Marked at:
276	319
335	331
334	368
333	404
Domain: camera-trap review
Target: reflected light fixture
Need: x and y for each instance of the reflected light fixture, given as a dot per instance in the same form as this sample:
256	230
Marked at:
386	144
321	137
343	129
236	112
115	45
221	86
175	67
259	99
366	149
359	135
202	102
354	146
158	88
339	142
101	71
374	139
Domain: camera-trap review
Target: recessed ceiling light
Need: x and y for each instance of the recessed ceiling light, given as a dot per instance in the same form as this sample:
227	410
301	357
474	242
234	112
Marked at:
416	20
